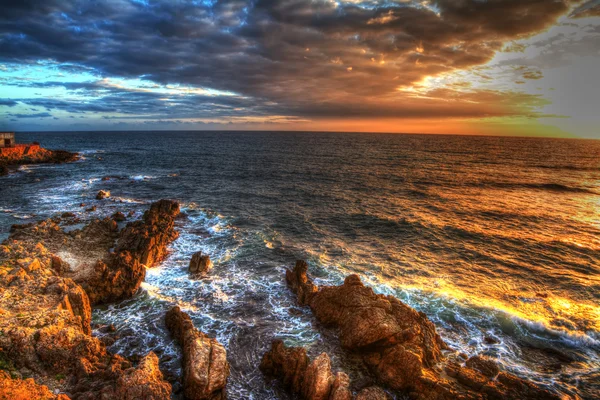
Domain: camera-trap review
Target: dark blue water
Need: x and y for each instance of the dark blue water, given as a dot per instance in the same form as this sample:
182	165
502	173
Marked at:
490	237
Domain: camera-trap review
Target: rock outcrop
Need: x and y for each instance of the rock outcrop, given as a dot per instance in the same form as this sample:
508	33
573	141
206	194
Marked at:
49	278
311	380
400	346
32	154
205	366
45	329
107	276
200	264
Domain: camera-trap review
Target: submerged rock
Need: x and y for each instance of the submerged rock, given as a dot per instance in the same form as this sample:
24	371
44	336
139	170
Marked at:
205	366
200	263
400	346
103	194
119	216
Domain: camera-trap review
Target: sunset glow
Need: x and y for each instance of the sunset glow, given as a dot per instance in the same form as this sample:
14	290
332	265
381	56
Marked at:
442	66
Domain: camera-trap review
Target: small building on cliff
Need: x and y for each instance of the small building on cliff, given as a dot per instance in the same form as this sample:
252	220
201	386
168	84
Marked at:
7	139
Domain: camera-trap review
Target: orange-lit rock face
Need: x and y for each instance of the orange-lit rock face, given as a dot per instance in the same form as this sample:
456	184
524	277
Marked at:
46	314
205	366
17	389
401	346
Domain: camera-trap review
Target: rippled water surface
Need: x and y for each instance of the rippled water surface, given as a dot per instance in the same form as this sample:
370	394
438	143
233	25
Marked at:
497	240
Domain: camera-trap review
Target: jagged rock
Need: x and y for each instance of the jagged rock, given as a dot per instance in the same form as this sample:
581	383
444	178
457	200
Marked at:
484	365
107	276
400	345
340	388
318	379
17	389
200	263
144	382
403	340
286	364
147	240
310	380
141	244
103	194
205	366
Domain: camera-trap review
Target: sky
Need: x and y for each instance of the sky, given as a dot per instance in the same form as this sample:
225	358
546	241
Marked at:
497	67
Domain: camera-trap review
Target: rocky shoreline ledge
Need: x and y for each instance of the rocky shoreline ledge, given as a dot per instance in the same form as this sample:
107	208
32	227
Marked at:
23	155
49	278
52	274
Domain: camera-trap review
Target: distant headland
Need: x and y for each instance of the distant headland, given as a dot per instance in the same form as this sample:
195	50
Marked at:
13	153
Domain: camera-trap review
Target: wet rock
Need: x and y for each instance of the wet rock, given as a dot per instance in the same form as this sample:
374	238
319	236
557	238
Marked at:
490	340
484	365
340	388
147	239
311	380
91	209
200	263
205	366
400	346
68	215
103	194
140	245
119	216
287	364
397	342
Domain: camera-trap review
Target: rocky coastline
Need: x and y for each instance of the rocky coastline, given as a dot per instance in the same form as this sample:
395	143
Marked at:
51	276
23	155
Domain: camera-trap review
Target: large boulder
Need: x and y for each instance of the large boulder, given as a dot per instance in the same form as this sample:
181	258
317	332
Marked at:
396	340
400	345
200	263
205	366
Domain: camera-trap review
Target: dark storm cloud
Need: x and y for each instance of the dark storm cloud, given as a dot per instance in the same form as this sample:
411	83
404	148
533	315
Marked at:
8	103
37	115
285	57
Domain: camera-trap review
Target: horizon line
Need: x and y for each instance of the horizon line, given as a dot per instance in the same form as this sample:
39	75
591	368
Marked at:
311	131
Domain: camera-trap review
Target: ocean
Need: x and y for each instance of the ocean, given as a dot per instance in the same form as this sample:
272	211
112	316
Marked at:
496	239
